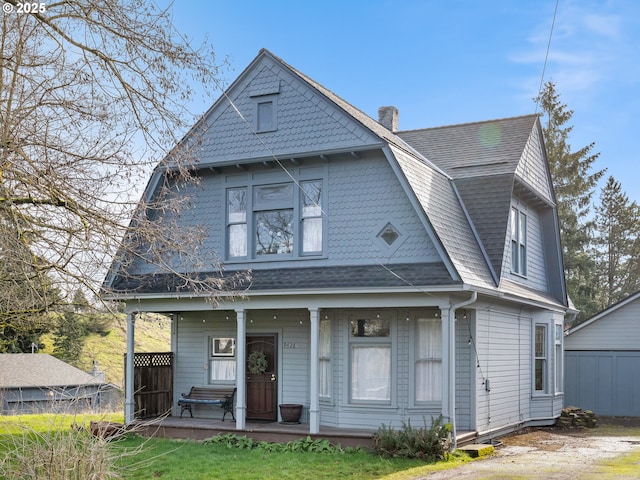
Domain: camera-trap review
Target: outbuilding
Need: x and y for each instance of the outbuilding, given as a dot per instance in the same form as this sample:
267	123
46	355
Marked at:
602	361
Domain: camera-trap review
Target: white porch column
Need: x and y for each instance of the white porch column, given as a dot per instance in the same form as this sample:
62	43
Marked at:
314	407
448	364
129	402
241	385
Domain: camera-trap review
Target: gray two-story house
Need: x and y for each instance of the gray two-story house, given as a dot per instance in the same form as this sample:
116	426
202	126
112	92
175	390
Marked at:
395	275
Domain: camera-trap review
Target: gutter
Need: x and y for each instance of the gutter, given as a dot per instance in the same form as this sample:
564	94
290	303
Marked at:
452	363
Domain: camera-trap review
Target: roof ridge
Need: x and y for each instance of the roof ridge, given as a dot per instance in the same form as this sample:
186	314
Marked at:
478	122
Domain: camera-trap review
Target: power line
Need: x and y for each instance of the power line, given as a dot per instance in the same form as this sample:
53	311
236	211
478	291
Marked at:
546	57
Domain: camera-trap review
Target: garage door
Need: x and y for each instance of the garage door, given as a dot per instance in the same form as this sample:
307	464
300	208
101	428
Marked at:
603	381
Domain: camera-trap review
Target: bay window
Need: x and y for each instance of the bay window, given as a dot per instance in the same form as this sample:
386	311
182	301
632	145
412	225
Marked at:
540	351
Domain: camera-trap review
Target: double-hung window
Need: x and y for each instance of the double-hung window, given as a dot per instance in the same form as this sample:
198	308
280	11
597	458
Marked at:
518	242
325	358
237	222
540	352
311	224
370	352
428	368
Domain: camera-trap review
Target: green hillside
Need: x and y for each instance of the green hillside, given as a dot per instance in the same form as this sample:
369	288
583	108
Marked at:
153	334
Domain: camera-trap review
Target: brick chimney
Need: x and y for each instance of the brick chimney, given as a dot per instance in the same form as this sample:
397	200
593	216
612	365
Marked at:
388	117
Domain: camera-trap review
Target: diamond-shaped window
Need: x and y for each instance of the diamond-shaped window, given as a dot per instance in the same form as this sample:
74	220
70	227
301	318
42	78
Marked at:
389	234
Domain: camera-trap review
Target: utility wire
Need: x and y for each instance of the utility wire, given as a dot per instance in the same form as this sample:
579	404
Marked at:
546	57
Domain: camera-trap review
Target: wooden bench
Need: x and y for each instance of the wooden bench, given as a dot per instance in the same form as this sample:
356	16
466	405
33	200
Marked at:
222	397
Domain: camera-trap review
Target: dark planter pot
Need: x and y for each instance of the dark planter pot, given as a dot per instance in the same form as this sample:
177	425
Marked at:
290	412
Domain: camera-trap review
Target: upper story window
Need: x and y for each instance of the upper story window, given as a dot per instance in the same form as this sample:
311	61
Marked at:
275	220
266	121
266	113
273	214
518	242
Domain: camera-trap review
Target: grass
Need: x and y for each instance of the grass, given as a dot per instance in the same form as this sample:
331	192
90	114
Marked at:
187	460
165	459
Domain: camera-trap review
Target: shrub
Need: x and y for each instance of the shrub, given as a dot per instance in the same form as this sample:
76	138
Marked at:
429	443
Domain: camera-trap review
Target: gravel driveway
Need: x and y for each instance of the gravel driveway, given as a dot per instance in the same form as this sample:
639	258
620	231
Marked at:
551	454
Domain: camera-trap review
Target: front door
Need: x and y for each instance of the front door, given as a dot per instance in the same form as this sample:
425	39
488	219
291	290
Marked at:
262	385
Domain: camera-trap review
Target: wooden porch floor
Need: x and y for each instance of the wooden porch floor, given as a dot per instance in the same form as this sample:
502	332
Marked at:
203	428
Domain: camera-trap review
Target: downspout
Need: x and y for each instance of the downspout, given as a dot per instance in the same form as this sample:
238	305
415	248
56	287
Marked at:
452	363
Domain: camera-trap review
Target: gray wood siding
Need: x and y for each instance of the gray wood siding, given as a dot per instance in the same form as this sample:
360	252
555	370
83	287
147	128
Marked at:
465	373
617	330
537	275
504	353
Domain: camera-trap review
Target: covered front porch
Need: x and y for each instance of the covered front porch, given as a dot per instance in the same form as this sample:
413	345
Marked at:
354	362
199	429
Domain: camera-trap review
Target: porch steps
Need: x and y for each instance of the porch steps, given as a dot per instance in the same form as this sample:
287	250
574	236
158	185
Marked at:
475	450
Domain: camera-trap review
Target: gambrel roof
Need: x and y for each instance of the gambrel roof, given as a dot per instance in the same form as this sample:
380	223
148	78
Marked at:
460	179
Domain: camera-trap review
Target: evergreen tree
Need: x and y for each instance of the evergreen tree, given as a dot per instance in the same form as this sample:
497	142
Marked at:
69	338
574	183
617	223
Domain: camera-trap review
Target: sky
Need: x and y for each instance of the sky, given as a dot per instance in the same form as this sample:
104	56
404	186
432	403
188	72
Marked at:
444	62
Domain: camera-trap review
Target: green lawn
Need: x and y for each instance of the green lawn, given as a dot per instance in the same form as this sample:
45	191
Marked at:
140	458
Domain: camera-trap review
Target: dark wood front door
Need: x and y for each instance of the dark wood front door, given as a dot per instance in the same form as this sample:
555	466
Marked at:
262	386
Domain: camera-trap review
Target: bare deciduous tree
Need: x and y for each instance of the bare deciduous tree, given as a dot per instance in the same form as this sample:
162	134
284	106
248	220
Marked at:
92	96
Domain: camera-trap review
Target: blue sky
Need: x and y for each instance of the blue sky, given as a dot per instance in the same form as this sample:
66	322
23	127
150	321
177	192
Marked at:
454	61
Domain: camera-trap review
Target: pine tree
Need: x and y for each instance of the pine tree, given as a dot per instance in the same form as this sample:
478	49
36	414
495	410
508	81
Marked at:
69	338
617	222
574	184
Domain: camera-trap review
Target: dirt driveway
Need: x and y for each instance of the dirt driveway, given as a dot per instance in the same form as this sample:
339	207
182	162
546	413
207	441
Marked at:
549	453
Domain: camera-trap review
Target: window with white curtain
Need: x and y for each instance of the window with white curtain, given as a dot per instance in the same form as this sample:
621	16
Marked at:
370	350
325	358
237	222
222	359
428	360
